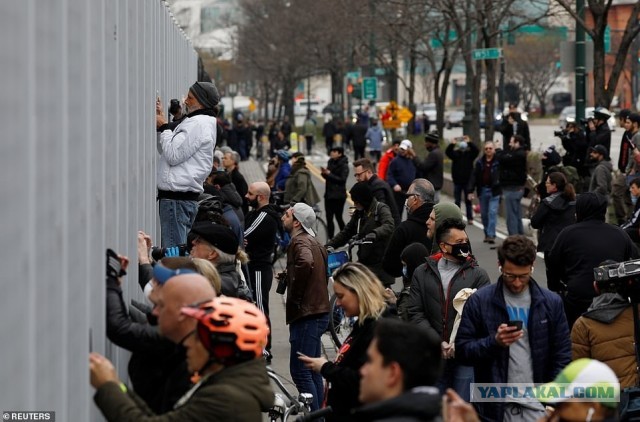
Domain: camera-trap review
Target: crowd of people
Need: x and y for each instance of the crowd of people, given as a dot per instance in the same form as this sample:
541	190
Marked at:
200	341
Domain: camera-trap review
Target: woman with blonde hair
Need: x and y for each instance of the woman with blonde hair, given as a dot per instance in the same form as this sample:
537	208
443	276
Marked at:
361	295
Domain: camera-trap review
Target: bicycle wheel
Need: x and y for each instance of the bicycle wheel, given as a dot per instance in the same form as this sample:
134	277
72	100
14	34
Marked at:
339	324
321	230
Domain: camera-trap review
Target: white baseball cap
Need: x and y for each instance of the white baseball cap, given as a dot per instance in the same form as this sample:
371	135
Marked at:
306	216
406	144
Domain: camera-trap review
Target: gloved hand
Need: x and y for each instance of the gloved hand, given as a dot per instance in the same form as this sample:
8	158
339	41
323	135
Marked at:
173	251
370	237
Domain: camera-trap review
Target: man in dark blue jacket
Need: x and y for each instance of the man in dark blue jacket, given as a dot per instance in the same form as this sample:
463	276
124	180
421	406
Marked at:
514	331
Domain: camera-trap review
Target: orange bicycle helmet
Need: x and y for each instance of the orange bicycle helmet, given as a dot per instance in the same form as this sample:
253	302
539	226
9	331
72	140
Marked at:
231	329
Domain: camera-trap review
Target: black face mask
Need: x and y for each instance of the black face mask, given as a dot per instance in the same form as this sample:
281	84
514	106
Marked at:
253	203
461	251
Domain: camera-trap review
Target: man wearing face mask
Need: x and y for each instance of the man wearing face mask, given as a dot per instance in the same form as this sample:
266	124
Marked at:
418	203
434	286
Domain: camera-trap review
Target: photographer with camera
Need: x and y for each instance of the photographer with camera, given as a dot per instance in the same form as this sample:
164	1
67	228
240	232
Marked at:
575	144
605	331
186	158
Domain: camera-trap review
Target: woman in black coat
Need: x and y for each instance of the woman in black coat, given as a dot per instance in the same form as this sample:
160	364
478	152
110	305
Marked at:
360	294
555	212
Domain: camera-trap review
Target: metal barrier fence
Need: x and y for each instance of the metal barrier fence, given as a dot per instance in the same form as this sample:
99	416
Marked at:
78	156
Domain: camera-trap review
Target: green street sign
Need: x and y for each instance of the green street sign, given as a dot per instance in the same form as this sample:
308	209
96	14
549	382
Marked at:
486	54
354	76
607	39
370	88
379	71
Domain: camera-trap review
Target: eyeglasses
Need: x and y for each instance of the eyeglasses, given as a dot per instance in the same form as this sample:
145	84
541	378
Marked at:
359	174
409	195
512	277
488	149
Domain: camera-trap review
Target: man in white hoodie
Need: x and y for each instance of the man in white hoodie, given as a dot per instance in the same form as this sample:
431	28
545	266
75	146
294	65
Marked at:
186	159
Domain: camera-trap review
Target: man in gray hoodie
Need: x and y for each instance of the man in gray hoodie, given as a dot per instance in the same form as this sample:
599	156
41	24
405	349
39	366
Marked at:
601	177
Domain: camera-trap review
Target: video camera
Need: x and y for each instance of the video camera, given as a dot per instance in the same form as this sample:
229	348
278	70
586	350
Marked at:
560	133
623	277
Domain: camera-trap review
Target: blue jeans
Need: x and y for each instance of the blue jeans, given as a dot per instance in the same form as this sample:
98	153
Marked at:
512	199
458	190
489	211
176	218
304	337
458	377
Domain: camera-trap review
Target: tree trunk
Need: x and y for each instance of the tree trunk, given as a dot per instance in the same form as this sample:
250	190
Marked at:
412	85
489	108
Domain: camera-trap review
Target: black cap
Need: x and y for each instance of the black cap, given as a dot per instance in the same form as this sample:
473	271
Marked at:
220	236
600	149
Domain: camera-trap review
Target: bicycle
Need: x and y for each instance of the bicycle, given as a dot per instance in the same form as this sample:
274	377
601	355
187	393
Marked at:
340	325
287	404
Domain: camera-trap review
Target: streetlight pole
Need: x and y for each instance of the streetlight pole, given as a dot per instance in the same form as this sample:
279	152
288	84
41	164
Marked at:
466	120
581	90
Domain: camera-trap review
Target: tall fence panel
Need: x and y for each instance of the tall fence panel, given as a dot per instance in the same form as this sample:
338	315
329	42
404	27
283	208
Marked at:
79	79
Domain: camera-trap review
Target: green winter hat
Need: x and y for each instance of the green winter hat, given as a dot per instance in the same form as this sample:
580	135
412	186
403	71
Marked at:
444	210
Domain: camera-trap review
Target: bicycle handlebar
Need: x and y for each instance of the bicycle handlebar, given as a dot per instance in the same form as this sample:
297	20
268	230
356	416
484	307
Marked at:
315	415
280	384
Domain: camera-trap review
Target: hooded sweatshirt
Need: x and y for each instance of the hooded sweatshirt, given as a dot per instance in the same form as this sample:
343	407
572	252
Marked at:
605	333
581	247
601	178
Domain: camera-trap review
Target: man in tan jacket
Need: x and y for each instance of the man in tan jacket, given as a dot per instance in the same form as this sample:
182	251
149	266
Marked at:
605	333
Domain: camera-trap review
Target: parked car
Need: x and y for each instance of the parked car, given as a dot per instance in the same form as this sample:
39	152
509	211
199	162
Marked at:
454	119
429	109
568	115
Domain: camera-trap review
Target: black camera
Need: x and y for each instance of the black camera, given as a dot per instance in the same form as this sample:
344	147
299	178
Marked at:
174	106
559	133
282	283
623	277
157	253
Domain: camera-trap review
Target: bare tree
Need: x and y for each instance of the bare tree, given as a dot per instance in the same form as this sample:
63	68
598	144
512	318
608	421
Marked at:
532	63
604	89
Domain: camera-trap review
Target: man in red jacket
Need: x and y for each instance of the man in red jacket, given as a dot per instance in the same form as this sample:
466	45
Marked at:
386	159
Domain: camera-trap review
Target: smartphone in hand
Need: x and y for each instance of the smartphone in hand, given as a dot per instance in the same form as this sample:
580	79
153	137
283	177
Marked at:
517	324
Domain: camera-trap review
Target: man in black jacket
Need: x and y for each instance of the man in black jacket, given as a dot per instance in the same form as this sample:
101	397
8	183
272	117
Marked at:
513	175
463	153
363	172
403	364
433	289
373	222
335	193
432	168
419	204
157	367
601	135
580	248
262	225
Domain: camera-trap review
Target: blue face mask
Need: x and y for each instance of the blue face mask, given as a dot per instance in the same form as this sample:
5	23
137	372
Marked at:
634	199
405	271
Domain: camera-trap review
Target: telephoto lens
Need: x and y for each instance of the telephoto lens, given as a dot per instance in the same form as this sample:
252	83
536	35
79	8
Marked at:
157	253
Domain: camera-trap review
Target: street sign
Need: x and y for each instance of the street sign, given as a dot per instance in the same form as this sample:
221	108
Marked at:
379	71
370	88
353	75
486	54
405	115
